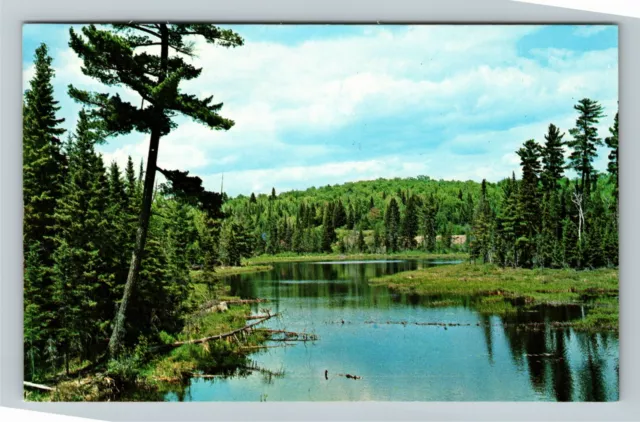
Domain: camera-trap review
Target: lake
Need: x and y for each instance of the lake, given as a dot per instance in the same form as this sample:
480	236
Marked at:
455	353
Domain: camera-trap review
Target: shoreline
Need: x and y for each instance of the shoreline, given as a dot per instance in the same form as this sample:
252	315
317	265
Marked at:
283	258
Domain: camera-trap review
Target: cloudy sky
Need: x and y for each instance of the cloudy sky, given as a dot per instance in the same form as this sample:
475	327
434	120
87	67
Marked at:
318	105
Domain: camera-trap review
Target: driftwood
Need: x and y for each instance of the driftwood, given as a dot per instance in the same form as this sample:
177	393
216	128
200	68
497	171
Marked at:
38	386
245	301
223	335
292	335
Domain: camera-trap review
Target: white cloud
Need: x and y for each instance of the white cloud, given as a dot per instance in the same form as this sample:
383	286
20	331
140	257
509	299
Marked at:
589	30
300	177
468	79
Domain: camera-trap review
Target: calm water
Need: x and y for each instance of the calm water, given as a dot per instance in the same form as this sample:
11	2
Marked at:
483	359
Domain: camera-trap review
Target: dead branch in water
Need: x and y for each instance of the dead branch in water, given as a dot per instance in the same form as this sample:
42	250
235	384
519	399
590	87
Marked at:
250	317
291	335
245	301
263	370
224	335
38	386
265	347
217	336
353	377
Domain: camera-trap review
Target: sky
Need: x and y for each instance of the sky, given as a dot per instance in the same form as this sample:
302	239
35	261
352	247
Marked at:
326	104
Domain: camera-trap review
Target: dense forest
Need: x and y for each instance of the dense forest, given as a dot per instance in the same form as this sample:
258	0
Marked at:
102	243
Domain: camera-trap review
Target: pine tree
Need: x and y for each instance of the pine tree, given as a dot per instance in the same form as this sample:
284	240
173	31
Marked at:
253	199
429	232
43	162
552	154
229	252
585	143
392	226
481	244
328	230
410	224
81	272
612	166
529	201
112	56
361	245
44	168
446	236
508	223
339	215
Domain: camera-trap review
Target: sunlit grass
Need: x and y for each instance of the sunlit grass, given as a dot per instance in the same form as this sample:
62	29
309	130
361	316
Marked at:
496	286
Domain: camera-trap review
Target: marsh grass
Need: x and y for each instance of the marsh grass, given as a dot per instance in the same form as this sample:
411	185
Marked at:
494	289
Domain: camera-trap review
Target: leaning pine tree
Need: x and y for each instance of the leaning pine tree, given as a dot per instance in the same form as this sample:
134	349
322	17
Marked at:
119	56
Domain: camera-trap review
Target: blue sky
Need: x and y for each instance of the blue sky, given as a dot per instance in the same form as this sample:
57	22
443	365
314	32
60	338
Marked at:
325	104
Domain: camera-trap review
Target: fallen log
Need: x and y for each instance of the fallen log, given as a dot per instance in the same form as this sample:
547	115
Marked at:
223	335
38	386
255	317
214	337
245	301
291	335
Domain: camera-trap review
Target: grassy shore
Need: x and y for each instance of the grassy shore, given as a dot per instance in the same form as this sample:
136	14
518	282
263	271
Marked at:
291	257
495	287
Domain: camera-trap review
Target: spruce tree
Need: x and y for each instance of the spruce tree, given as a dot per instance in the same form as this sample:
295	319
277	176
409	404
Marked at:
482	238
114	57
529	201
328	230
392	226
552	154
361	243
585	143
43	173
410	224
612	166
429	232
81	272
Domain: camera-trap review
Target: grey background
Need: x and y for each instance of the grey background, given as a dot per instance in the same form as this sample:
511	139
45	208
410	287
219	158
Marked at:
328	11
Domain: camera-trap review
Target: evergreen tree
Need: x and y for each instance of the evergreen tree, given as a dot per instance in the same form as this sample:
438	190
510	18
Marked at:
612	142
529	201
328	231
273	194
429	233
43	162
552	154
410	224
112	56
253	199
585	143
44	168
481	244
392	226
339	215
362	247
81	274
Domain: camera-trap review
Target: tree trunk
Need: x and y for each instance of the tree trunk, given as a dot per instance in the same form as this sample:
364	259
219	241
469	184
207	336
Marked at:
117	336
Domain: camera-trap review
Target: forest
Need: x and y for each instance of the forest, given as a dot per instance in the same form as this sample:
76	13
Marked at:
109	253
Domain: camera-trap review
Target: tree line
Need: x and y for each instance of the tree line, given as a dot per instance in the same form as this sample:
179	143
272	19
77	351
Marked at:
545	219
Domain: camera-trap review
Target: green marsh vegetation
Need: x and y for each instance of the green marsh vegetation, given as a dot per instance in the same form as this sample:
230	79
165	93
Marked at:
495	288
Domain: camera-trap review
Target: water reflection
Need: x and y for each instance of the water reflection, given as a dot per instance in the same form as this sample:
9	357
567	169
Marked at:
475	355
